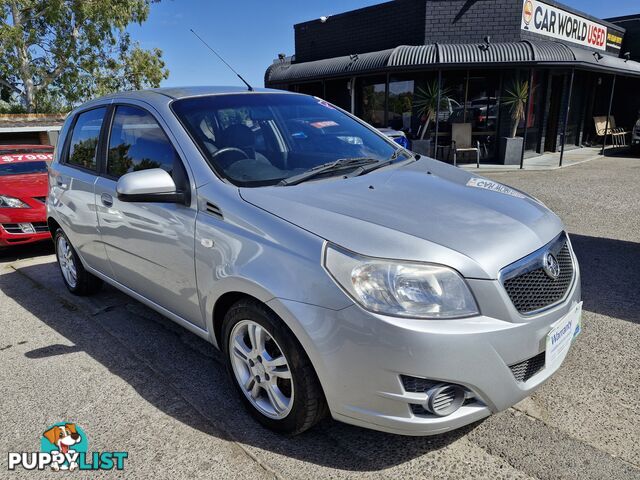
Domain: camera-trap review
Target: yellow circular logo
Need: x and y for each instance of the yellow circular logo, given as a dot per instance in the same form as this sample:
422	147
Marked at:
527	12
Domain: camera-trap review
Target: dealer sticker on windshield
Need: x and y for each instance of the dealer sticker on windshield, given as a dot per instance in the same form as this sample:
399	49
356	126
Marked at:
563	333
493	186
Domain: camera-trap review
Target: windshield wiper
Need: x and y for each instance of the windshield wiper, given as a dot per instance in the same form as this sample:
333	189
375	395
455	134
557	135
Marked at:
339	164
370	168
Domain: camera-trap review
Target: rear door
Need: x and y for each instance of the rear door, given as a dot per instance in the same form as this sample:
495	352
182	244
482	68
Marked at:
72	183
150	246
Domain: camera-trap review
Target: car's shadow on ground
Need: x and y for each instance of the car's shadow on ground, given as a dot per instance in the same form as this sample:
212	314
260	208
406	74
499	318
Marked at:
610	276
30	250
183	375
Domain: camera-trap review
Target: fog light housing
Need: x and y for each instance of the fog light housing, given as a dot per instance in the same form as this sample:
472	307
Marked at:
444	399
27	228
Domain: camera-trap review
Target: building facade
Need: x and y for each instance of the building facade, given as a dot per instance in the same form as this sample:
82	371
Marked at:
30	129
421	66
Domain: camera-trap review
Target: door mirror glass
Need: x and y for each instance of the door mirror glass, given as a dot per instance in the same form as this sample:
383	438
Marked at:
152	185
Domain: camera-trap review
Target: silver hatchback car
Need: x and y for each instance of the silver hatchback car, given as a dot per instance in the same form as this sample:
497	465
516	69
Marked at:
338	272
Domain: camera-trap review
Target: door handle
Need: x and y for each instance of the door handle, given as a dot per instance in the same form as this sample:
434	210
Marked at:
107	200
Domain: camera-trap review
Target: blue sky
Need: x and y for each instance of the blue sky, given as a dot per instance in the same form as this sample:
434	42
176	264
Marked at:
250	33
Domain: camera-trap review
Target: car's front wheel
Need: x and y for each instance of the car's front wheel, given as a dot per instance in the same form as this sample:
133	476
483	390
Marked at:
270	369
77	280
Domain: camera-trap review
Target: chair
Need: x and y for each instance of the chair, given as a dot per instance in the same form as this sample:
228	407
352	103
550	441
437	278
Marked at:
618	135
461	141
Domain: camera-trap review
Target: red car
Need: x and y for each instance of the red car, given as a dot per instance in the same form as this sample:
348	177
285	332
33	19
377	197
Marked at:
23	193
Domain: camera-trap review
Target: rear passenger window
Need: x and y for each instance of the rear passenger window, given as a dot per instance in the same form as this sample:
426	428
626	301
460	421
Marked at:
137	143
84	139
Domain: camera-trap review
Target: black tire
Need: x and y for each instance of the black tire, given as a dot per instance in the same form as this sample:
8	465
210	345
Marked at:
86	283
309	404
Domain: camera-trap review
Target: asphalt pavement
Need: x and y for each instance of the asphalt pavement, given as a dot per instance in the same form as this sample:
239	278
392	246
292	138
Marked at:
136	382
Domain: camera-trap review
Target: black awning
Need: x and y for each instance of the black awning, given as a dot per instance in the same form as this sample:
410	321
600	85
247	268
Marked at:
283	72
524	53
472	53
404	56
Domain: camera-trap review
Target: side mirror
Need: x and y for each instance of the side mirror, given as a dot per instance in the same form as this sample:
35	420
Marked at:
152	185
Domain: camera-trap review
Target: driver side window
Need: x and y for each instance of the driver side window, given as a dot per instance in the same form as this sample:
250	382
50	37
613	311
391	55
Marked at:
137	142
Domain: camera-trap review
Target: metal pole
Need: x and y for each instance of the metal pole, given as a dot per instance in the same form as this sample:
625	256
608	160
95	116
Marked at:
566	117
499	120
386	102
466	94
606	126
526	119
435	151
353	95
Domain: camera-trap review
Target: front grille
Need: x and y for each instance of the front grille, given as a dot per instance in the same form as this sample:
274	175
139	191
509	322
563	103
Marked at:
41	199
416	385
534	290
15	227
526	369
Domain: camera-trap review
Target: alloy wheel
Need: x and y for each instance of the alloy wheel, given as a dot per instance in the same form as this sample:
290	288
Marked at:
261	369
67	261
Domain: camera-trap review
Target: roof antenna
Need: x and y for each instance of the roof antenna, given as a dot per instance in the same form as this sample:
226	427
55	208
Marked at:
249	87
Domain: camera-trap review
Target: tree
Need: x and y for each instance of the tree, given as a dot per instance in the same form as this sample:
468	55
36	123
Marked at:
426	103
516	99
57	51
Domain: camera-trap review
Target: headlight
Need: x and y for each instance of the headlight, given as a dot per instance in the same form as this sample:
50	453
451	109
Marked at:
399	288
10	202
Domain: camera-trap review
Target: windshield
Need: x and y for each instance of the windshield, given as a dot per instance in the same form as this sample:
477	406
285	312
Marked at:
22	168
261	139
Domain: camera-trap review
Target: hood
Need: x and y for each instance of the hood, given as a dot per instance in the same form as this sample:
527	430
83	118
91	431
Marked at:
24	186
424	211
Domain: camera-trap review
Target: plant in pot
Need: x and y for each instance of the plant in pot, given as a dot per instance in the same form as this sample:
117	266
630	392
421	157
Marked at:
516	99
426	105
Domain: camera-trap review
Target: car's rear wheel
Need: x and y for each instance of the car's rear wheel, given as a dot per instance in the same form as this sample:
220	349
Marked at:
77	280
270	369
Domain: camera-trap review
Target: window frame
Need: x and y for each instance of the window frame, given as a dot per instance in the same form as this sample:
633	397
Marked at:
220	173
67	142
107	139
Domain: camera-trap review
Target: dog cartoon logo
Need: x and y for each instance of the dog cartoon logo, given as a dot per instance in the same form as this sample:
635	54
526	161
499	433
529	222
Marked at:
64	447
67	439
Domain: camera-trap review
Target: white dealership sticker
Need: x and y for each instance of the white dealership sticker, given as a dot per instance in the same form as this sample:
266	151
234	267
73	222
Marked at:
485	184
563	333
28	156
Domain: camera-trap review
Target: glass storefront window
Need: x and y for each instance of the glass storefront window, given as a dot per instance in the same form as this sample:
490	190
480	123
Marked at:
401	105
418	88
470	97
312	88
536	110
575	112
338	93
370	100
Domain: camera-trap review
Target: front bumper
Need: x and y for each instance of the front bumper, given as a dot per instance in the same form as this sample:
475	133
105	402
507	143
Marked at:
8	239
10	219
359	358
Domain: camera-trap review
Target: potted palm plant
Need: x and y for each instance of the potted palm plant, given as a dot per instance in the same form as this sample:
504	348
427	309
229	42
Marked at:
516	99
426	105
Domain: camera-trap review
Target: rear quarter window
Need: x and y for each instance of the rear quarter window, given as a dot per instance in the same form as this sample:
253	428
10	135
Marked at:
84	139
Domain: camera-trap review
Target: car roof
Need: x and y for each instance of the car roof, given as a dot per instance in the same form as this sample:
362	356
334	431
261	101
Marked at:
183	92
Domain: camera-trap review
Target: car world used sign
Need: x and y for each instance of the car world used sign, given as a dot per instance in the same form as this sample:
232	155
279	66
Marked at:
554	22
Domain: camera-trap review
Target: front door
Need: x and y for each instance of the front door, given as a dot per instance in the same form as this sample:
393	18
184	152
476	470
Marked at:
150	246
